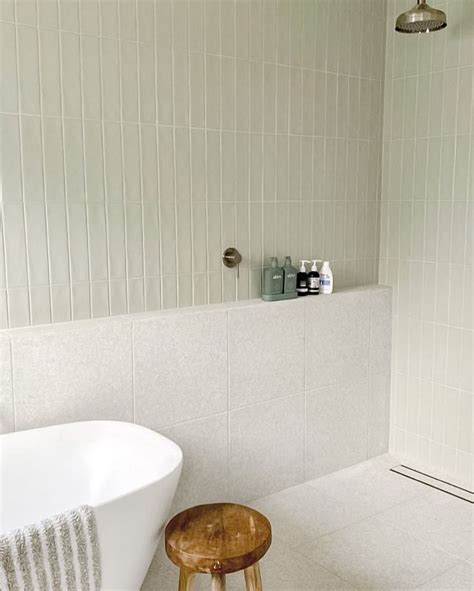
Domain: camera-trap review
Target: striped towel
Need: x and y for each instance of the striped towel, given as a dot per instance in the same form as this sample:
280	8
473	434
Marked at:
56	554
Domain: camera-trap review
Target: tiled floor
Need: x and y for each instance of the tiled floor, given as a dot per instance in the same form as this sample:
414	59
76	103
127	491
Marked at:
361	528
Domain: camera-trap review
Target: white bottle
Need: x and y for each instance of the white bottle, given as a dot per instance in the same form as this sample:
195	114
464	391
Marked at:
326	282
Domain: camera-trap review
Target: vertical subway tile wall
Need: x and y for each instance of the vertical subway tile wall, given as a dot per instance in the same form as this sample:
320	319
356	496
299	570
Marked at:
141	138
426	239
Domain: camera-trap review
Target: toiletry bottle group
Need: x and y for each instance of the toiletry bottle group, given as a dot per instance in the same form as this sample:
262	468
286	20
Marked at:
314	282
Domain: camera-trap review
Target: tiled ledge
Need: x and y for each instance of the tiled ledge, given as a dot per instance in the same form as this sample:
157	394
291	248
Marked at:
259	395
225	306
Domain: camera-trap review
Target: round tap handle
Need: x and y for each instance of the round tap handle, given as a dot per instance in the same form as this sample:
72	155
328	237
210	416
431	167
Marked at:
231	257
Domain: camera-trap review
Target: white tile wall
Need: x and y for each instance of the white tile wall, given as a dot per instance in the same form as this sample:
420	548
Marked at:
339	353
205	470
256	374
267	447
73	372
175	371
336	413
142	137
426	239
180	367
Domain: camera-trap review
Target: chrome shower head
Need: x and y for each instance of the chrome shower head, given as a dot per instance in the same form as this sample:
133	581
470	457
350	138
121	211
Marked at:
421	19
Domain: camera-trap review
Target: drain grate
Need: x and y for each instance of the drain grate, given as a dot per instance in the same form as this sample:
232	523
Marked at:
442	485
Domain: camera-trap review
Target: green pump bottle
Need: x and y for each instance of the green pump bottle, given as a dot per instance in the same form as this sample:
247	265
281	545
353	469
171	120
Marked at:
289	276
272	279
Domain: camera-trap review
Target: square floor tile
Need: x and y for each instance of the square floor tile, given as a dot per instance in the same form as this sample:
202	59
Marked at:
163	579
301	514
287	570
282	569
369	487
373	555
438	519
459	578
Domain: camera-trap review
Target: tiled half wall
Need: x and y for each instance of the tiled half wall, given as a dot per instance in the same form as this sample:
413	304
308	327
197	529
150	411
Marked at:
259	396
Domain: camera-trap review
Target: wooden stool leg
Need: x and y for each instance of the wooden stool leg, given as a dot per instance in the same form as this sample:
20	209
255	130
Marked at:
253	580
186	578
218	583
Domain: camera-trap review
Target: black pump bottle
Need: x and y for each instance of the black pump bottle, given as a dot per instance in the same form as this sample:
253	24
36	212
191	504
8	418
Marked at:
313	279
302	280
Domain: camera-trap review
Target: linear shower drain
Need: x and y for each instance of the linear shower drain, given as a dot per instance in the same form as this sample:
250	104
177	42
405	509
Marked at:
442	485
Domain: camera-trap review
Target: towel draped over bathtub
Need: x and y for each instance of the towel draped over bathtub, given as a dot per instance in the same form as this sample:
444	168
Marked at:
57	554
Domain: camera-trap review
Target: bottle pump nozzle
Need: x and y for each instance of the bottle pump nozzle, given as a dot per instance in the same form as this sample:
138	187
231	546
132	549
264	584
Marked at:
303	266
315	266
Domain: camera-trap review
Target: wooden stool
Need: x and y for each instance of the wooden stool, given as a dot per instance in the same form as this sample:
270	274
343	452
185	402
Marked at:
218	539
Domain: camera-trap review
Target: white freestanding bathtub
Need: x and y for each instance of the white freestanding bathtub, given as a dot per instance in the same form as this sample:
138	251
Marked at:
127	473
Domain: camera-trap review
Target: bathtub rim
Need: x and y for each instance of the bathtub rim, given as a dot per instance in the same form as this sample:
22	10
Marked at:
177	466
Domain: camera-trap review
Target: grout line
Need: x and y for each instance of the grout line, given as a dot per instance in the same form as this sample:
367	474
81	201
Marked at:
140	159
444	571
452	229
442	115
220	130
312	203
22	168
122	151
84	165
229	424
234	62
262	154
250	275
43	168
228	129
288	147
305	400
2	202
66	201
275	126
424	267
402	126
157	163
190	141
104	169
208	272
229	411
412	241
176	222
190	421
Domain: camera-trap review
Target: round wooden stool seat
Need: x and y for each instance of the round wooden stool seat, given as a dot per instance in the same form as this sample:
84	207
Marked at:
218	539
